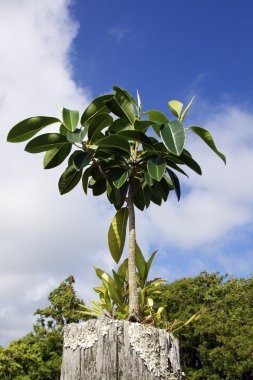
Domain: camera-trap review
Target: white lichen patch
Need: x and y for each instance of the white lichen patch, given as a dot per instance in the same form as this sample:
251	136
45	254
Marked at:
85	334
80	335
152	347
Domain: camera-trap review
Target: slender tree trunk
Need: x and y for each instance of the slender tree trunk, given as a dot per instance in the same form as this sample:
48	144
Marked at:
133	295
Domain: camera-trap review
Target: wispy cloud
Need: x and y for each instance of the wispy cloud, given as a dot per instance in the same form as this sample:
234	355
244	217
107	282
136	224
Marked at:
119	33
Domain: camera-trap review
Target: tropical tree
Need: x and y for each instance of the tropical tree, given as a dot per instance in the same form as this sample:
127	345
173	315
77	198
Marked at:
218	346
38	355
130	155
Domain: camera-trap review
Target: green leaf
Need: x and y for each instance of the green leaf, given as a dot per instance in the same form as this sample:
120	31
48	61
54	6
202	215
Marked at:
85	179
139	198
120	90
96	107
45	142
207	138
142	125
173	137
99	272
114	141
149	263
175	167
99	186
123	269
148	179
135	136
147	195
69	179
186	110
175	107
97	124
190	162
56	156
156	167
77	136
140	264
163	188
81	159
175	182
117	233
118	125
27	128
158	116
122	106
118	177
155	197
63	130
70	119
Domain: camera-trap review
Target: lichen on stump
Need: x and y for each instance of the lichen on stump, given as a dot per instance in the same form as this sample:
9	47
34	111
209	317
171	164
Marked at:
119	350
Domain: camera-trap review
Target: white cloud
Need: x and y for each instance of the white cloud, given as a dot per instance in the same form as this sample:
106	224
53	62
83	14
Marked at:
35	71
219	201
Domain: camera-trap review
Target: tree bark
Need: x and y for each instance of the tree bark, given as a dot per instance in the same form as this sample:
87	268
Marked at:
133	294
119	350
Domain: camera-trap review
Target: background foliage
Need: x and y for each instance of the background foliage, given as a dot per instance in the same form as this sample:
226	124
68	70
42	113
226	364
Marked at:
218	346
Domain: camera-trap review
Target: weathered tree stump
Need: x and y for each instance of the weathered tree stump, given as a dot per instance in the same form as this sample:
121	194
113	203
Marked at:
119	350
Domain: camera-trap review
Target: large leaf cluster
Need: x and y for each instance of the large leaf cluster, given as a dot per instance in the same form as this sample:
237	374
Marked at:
114	144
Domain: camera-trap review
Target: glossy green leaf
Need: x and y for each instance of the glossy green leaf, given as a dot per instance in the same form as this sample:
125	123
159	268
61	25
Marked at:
99	186
63	130
175	182
114	291
118	125
56	156
173	137
142	125
163	188
123	269
155	115
149	262
186	109
155	197
117	233
126	93
139	199
175	107
148	179
156	167
113	194
140	264
118	177
85	179
97	124
114	141
121	106
175	167
45	142
147	195
135	136
81	159
70	119
190	162
69	179
99	272
96	107
207	138
29	127
77	136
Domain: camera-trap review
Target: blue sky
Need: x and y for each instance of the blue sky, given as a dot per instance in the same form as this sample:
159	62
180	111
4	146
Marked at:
71	51
166	49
